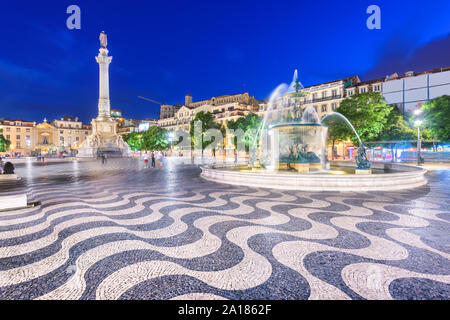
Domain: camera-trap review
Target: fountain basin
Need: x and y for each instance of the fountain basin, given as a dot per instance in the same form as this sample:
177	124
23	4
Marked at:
297	146
393	177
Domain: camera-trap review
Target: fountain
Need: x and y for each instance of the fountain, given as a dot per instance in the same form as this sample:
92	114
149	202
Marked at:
290	152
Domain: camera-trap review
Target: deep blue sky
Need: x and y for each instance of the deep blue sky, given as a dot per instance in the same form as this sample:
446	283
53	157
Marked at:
165	49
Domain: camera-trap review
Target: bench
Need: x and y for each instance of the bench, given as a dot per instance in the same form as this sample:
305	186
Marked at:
13	202
8	177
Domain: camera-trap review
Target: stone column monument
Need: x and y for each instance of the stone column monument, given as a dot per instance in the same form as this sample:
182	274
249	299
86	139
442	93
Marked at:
104	137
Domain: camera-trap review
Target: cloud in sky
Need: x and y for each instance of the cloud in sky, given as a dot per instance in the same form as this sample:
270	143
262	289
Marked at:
397	57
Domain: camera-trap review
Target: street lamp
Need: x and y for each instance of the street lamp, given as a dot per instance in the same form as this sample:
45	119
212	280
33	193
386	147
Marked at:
419	142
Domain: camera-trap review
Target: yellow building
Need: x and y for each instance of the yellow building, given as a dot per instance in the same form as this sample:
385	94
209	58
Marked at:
19	133
28	138
70	133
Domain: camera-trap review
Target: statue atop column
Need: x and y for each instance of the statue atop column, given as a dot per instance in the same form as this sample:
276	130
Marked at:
103	39
104	137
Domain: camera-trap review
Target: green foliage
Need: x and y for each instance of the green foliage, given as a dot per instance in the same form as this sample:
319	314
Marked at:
436	117
338	129
155	138
249	124
207	120
4	143
134	140
396	128
367	112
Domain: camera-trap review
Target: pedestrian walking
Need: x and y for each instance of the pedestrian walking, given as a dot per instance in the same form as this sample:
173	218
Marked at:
153	159
104	158
146	160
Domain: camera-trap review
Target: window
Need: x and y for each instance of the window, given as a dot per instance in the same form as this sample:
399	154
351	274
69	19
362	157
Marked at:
28	129
8	129
362	90
324	94
314	96
334	93
18	137
324	108
8	137
350	92
18	144
61	138
61	132
315	107
17	129
86	133
334	106
376	88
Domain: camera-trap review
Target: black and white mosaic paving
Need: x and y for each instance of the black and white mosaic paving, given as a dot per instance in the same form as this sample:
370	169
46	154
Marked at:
120	231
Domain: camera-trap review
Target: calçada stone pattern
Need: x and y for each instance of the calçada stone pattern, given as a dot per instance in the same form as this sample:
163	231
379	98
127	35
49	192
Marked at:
120	231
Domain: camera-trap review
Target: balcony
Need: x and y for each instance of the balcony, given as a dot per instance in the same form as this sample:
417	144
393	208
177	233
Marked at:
338	96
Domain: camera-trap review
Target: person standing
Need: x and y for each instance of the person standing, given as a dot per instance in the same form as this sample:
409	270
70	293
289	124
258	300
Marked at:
8	168
146	160
153	159
160	158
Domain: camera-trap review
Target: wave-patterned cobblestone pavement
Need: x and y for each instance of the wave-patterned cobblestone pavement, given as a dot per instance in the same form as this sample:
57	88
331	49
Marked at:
120	231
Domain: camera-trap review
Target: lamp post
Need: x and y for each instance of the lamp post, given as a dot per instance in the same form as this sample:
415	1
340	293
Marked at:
419	142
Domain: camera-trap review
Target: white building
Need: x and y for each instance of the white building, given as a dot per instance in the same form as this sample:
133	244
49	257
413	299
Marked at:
410	91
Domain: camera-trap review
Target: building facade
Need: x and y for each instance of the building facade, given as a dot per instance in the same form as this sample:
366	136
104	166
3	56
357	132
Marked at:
28	138
224	108
412	90
70	133
20	134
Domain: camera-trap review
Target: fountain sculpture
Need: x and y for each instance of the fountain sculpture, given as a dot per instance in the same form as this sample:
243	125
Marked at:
289	151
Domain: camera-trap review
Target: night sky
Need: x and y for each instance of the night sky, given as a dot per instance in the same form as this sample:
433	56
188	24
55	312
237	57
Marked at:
166	49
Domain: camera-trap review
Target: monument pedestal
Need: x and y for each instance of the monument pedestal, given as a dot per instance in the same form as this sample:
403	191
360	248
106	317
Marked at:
363	171
104	139
300	167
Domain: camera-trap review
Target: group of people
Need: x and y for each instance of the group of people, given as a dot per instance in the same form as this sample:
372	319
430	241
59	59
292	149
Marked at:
7	168
40	157
155	157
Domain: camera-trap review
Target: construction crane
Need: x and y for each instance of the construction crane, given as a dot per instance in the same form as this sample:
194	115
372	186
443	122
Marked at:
151	100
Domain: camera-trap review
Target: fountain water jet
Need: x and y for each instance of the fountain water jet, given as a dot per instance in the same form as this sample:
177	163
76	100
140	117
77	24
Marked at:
290	152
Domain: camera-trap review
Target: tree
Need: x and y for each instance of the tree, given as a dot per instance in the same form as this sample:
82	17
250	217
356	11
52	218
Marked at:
207	120
436	117
338	130
367	112
249	124
4	143
134	140
155	138
395	129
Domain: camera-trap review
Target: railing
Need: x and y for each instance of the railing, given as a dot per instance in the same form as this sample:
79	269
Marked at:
321	99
